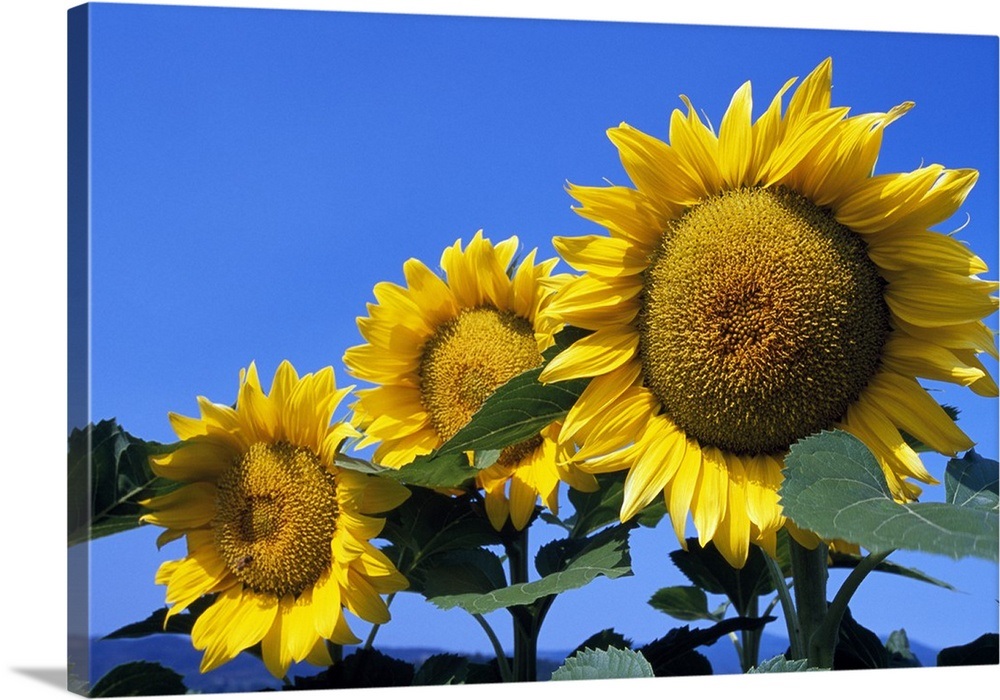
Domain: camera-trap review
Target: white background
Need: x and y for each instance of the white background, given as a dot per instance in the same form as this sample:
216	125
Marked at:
33	322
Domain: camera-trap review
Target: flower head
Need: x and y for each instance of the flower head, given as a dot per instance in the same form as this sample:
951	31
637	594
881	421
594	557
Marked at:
758	286
275	530
438	348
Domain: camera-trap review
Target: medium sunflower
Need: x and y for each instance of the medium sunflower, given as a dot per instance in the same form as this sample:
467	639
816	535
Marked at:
759	286
274	528
438	348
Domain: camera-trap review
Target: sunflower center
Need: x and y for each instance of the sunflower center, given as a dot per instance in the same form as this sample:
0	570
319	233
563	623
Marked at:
762	320
467	358
276	514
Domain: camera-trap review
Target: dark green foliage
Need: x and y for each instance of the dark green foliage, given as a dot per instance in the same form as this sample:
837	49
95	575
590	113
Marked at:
138	678
708	570
108	474
858	647
605	639
982	651
442	669
365	668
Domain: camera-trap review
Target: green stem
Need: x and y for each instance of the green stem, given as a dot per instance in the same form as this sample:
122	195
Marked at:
809	576
825	637
750	648
505	674
787	608
525	629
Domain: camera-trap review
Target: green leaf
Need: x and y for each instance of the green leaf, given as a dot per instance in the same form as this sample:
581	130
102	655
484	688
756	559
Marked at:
983	650
858	647
593	510
434	471
592	664
355	464
605	639
898	648
709	570
138	678
154	624
685	603
516	411
972	482
442	669
675	655
365	668
462	571
606	554
108	474
521	408
834	487
429	523
844	560
779	664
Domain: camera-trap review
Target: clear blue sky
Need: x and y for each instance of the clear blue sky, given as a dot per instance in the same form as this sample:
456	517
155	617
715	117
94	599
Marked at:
256	172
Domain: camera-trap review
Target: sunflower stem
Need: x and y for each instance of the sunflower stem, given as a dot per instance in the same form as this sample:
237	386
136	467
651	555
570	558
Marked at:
787	608
502	665
525	627
809	576
750	647
825	637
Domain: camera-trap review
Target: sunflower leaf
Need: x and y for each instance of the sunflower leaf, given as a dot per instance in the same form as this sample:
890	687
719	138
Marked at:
108	473
591	664
779	664
972	482
605	554
442	669
844	560
138	678
516	411
674	654
981	651
708	570
460	571
429	523
687	603
434	471
834	487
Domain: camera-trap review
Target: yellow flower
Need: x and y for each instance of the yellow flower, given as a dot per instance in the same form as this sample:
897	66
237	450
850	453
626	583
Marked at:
438	348
274	528
758	286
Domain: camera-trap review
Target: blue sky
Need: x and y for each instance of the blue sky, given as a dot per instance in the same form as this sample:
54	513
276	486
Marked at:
256	172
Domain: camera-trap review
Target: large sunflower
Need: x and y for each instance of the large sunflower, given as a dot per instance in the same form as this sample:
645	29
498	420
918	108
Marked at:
274	528
758	286
438	348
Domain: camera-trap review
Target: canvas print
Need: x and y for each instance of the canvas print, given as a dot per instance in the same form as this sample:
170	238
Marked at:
415	350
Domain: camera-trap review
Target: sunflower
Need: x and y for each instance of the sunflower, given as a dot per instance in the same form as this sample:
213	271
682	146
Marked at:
274	529
759	286
439	347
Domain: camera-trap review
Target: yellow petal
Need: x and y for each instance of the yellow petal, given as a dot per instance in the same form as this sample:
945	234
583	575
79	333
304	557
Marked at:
659	460
708	505
188	507
600	393
910	407
736	139
598	353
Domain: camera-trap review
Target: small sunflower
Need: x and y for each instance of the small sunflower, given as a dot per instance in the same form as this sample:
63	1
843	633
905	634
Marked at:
438	348
759	286
274	528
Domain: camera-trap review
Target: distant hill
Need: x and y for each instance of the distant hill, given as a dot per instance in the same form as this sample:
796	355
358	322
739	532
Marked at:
247	673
